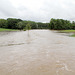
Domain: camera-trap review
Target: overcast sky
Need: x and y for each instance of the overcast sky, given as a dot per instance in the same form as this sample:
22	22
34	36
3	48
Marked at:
38	10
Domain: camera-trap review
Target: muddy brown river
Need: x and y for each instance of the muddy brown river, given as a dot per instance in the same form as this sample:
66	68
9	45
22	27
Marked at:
39	52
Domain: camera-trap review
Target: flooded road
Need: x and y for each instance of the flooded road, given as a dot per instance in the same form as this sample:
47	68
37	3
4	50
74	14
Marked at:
39	52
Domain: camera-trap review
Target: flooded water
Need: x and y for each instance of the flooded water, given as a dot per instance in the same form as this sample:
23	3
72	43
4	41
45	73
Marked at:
39	52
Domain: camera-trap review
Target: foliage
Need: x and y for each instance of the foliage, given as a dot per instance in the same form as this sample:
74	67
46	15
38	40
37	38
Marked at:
55	24
42	25
3	23
73	35
60	24
28	27
12	23
21	25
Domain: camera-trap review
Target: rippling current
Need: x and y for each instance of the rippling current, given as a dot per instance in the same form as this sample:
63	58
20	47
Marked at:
37	52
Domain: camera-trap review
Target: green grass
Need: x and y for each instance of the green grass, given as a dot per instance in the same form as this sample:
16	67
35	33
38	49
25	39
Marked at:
3	29
73	35
67	31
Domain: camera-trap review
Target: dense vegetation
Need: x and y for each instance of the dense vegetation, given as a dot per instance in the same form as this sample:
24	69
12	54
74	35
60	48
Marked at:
13	23
55	24
60	24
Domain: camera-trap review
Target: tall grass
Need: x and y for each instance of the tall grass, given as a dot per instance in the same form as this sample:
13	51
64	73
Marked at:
3	29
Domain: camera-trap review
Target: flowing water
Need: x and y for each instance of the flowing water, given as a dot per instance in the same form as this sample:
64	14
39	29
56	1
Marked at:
37	52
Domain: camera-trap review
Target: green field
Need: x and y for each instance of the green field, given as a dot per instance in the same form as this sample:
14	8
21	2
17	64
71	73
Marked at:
3	29
73	35
67	31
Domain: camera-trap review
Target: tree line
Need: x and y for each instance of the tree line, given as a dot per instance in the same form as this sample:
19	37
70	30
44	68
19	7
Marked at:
55	24
13	23
60	24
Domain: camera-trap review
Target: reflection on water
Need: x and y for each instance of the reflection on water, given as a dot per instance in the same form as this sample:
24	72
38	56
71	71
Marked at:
28	38
37	52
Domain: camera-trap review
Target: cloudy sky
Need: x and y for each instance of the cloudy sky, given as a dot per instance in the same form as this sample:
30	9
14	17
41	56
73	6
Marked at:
38	10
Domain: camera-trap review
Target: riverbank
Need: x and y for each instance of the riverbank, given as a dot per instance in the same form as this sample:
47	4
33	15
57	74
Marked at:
68	31
3	29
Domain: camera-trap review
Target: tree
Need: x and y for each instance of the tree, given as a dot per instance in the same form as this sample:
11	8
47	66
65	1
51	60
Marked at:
33	25
28	27
12	23
3	23
73	25
60	24
20	25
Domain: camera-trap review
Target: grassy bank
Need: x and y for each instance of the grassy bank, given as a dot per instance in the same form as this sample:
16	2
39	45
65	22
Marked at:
3	29
67	31
73	35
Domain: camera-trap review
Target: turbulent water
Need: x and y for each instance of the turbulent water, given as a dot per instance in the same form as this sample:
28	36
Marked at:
37	52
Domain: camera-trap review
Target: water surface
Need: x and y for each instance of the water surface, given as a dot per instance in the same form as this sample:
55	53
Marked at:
37	52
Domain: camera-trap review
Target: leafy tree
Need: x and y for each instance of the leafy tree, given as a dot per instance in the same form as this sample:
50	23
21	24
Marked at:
73	25
42	25
12	23
55	24
60	24
3	23
20	25
33	25
28	27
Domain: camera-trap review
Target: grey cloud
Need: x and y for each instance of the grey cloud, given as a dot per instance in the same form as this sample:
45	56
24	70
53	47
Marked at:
7	8
56	9
49	9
